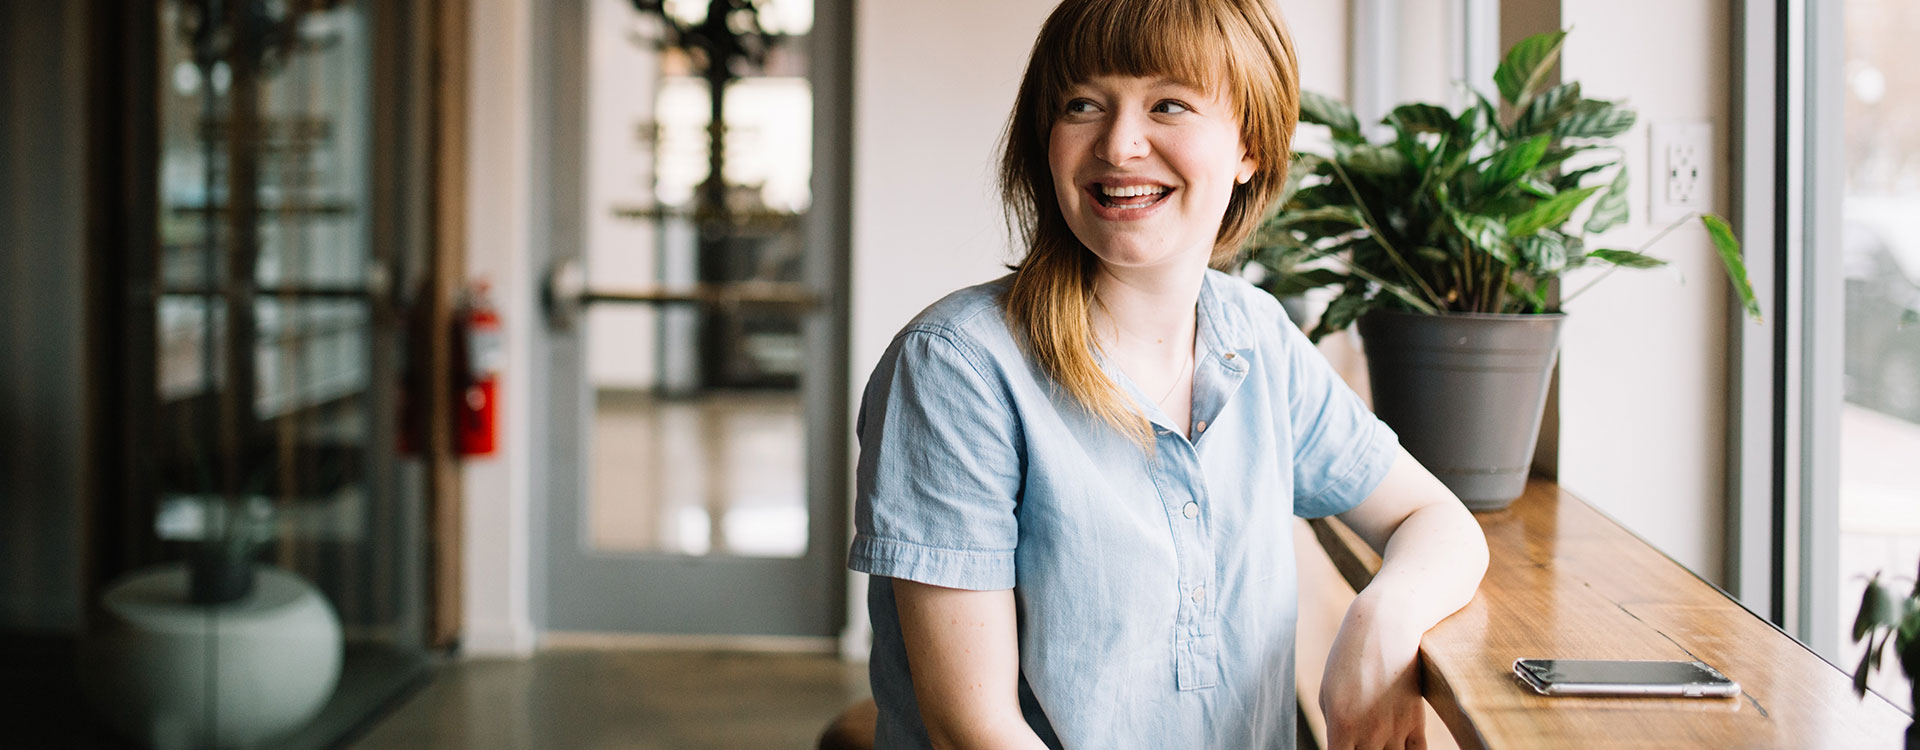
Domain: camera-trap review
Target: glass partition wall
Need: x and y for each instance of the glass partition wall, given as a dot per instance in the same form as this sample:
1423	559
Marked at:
268	584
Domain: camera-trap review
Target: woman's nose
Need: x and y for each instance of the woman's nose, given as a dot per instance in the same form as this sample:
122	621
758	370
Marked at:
1122	140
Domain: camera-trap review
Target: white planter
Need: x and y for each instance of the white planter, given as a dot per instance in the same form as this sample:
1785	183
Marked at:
273	657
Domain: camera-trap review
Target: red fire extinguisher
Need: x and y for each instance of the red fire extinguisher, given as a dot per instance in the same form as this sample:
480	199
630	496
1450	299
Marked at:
478	401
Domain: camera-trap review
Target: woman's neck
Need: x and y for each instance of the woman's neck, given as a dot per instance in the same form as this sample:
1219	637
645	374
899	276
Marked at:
1146	311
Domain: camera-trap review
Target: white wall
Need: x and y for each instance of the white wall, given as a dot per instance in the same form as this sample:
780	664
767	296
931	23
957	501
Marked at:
1643	363
933	85
496	606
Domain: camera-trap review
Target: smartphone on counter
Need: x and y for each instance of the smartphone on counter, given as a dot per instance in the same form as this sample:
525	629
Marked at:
1688	679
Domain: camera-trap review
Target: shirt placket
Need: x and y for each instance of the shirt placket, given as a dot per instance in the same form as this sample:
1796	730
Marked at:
1183	488
1176	475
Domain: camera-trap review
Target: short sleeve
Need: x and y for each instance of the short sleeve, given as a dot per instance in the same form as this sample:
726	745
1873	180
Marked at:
939	473
1341	451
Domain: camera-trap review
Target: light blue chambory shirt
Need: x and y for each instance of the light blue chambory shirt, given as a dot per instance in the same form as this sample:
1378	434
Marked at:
1156	595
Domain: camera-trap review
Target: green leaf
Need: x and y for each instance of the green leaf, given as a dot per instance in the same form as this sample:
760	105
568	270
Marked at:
1549	213
1561	152
1611	210
1627	258
1729	248
1324	194
1596	119
1286	285
1342	311
1537	188
1507	206
1527	64
1548	109
1542	254
1860	673
1570	180
1321	109
1373	160
1878	607
1485	233
1909	626
1420	118
1345	215
1508	164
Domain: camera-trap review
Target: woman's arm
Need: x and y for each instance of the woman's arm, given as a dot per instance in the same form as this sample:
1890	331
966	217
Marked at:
964	653
1433	555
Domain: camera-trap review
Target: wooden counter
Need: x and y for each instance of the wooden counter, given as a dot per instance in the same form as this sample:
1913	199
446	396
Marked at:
1567	582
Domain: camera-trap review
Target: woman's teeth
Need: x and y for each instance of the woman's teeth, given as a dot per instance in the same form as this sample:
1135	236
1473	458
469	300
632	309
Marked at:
1129	192
1133	196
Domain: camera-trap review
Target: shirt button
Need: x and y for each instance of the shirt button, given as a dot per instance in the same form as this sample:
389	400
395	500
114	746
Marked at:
1199	594
1200	426
1192	510
1229	355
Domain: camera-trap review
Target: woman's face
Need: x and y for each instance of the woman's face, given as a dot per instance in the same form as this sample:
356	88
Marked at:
1143	169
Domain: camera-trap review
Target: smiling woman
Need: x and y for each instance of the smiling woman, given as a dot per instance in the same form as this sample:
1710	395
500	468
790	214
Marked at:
1060	557
1238	56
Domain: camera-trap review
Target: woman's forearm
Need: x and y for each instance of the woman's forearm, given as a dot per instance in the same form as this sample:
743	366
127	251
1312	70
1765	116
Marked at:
1432	564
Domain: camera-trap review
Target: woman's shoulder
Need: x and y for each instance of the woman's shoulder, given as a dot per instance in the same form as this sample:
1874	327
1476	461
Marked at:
975	315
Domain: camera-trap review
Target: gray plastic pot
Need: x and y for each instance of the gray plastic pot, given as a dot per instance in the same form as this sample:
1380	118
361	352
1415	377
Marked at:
1465	392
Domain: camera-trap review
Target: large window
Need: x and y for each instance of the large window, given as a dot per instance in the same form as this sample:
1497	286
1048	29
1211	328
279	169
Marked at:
1827	454
1879	252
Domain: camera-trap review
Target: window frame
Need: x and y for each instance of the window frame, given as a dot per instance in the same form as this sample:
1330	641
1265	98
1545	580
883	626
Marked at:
1783	462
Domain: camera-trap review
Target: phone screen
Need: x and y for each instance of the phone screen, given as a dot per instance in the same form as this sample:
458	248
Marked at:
1588	672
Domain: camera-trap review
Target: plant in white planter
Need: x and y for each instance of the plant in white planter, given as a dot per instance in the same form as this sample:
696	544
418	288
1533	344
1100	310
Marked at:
1442	243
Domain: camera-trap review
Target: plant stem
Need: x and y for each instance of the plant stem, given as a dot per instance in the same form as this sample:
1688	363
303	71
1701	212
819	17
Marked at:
1373	228
1640	250
1395	289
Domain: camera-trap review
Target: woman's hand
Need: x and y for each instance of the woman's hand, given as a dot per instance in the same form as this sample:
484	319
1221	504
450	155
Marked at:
1371	692
1432	557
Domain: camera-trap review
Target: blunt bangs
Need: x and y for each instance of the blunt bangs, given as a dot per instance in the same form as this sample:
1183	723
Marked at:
1178	39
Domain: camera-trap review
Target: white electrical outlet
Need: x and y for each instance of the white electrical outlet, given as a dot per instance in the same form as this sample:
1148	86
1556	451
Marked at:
1680	169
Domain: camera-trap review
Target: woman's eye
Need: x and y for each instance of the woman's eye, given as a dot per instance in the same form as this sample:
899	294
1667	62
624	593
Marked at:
1170	107
1078	106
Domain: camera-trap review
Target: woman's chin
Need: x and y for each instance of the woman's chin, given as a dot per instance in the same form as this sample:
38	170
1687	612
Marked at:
1129	257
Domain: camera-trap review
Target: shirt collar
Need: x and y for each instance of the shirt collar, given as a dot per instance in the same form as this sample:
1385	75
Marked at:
1222	328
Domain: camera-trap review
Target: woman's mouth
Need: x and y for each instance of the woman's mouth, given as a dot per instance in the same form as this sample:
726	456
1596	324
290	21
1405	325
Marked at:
1131	196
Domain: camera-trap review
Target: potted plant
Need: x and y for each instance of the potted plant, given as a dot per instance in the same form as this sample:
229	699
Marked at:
1442	241
1887	617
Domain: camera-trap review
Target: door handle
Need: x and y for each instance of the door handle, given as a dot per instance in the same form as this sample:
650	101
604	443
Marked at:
567	295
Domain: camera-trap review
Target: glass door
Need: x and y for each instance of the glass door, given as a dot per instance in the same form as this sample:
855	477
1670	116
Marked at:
698	384
263	547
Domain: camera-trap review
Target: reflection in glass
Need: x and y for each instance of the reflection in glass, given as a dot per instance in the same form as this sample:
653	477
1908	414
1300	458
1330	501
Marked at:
696	435
1880	421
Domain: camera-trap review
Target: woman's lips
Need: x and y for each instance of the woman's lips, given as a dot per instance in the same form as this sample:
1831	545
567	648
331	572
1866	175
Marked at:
1131	202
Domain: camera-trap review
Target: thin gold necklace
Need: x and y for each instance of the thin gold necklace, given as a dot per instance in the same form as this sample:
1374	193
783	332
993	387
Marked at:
1186	365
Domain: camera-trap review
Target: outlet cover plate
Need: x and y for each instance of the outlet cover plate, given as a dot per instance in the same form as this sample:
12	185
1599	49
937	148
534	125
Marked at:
1679	169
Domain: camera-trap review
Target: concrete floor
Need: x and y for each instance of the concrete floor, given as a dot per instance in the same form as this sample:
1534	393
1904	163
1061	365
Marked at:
584	698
